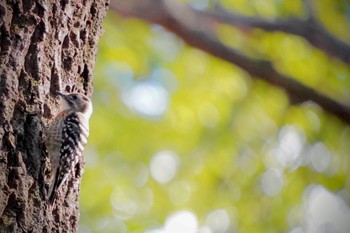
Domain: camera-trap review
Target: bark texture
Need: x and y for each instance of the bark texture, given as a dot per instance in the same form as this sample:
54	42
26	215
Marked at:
45	46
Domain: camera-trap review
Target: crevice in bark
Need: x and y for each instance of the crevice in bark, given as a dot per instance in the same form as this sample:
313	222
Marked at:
32	147
38	10
86	77
5	41
54	81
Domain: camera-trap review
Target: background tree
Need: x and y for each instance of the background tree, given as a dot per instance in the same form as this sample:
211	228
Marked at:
45	46
198	27
252	139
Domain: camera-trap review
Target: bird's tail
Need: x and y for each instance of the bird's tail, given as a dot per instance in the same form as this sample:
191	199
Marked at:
52	193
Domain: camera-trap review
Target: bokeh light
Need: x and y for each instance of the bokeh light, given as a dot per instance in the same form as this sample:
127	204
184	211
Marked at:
164	166
320	157
147	98
182	221
272	182
291	143
218	221
325	212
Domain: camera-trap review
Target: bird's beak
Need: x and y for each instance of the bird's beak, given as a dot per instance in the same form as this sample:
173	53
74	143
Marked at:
65	103
60	93
63	96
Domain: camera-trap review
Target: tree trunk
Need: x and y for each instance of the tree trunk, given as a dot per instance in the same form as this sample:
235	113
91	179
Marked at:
45	46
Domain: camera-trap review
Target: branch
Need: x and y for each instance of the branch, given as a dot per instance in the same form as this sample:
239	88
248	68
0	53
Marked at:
309	28
184	22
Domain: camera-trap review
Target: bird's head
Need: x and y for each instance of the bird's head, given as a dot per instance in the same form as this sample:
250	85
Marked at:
76	102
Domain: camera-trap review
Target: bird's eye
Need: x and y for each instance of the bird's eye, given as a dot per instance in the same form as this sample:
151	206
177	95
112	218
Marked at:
75	97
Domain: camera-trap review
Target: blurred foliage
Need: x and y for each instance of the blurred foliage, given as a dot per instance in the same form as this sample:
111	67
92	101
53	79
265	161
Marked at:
175	129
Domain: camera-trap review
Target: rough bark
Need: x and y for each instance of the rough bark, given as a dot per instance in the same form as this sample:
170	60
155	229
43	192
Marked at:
45	46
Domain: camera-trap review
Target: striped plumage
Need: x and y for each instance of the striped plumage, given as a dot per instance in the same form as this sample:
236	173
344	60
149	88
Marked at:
66	138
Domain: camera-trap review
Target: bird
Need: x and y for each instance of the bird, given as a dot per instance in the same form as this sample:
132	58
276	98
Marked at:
66	138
